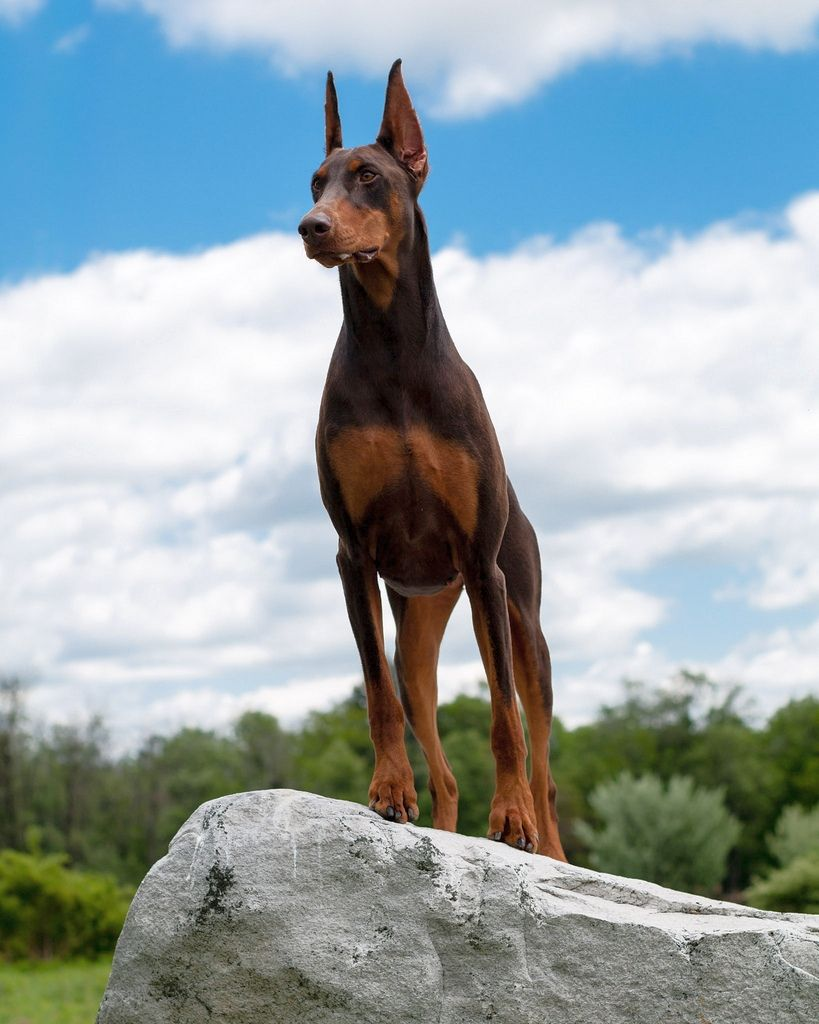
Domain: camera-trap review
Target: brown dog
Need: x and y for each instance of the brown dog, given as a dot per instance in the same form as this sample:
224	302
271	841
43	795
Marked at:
413	479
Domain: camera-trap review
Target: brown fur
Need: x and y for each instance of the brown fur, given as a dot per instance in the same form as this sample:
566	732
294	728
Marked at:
414	482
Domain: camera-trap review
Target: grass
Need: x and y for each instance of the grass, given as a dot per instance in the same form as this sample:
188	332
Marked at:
52	993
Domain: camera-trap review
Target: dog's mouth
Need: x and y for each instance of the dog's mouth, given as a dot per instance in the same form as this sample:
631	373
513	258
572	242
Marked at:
335	259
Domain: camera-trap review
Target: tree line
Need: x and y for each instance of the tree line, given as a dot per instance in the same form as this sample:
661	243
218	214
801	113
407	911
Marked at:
680	775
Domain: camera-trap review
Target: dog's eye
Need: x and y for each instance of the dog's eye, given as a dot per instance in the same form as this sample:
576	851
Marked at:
365	177
316	185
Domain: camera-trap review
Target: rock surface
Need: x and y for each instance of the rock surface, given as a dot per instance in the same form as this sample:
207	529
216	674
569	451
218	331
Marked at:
276	907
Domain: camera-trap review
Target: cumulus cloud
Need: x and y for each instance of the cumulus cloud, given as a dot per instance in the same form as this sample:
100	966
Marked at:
15	11
473	58
164	546
764	661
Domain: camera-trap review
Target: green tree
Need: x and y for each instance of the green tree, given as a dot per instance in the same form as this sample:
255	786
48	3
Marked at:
464	725
796	834
791	751
677	834
474	768
332	754
340	773
726	753
649	731
12	741
794	886
690	727
68	769
172	776
466	712
792	889
264	751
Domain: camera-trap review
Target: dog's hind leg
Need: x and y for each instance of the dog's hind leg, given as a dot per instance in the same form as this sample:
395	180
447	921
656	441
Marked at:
519	560
420	623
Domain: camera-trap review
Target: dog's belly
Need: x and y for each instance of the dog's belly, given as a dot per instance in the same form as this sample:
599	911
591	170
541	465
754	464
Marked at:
414	563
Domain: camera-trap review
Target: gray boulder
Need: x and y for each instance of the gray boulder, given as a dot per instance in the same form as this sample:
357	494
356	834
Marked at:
276	907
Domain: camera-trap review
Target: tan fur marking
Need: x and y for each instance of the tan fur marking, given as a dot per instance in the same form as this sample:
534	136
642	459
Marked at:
357	228
379	278
366	460
451	472
355	164
419	640
527	684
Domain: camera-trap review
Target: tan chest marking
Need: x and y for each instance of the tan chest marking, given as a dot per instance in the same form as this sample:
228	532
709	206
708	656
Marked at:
450	471
367	460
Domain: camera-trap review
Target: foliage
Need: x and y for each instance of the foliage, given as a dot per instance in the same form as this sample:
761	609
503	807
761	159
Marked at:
471	761
676	834
333	754
264	750
52	993
70	794
792	752
794	844
11	757
793	888
797	834
464	726
689	728
47	910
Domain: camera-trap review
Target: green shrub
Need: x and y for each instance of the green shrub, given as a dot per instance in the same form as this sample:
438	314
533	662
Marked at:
794	888
47	910
796	834
678	835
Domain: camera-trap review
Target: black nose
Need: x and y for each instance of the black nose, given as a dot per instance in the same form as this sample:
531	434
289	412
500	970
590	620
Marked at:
314	226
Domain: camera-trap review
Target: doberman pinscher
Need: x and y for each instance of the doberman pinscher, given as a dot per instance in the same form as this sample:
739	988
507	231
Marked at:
413	479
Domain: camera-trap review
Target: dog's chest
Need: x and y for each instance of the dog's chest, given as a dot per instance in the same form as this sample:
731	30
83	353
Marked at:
375	461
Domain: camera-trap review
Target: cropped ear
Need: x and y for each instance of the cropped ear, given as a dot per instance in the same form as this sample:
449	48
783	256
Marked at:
400	130
332	122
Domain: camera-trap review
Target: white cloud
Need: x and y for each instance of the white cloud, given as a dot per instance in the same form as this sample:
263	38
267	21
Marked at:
72	40
782	661
163	534
15	11
473	58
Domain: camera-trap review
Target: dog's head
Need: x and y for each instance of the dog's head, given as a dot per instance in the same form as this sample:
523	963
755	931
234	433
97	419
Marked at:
364	197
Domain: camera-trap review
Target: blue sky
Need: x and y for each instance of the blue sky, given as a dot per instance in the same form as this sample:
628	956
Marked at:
123	141
627	209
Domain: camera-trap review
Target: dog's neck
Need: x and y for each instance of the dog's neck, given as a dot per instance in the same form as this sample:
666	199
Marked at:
392	303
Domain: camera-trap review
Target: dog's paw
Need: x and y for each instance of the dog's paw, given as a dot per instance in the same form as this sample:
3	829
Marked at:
512	818
393	796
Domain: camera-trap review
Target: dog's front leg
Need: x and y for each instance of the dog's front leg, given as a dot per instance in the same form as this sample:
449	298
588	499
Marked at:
392	790
512	813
